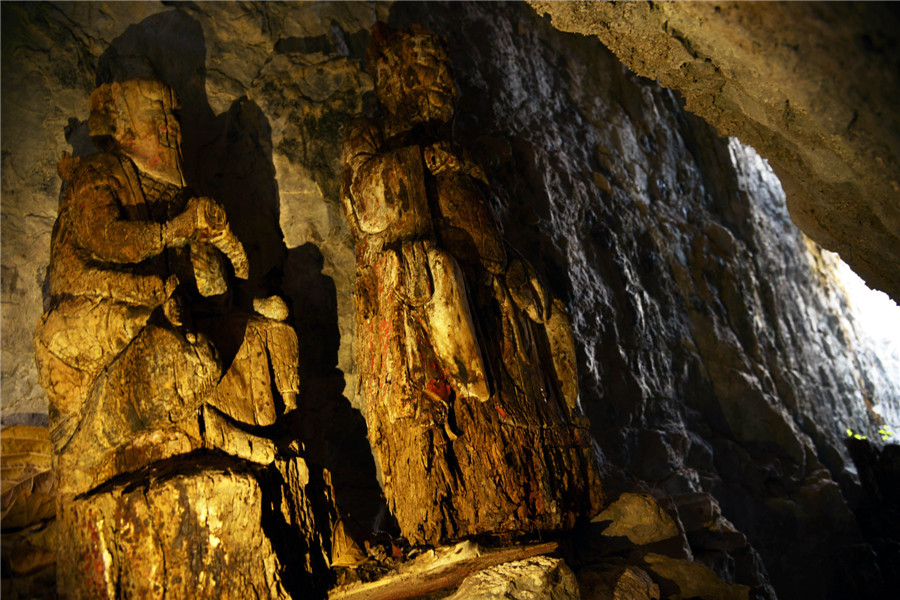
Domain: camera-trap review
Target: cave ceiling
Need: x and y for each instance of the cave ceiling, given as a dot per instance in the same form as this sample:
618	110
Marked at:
817	98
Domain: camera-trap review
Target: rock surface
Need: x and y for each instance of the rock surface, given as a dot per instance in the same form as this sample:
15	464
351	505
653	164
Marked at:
144	545
818	100
691	580
27	485
639	518
538	578
617	583
29	533
713	350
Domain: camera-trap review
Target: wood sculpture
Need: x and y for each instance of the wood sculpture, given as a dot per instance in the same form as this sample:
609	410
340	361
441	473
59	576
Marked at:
163	398
466	360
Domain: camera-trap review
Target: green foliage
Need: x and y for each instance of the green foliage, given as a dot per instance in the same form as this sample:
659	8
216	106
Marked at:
884	432
856	435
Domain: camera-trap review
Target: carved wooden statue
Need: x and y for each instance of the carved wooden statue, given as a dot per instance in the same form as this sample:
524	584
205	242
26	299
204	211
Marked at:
466	361
160	401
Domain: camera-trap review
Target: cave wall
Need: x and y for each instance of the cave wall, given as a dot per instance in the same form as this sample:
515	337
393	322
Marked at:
811	85
713	351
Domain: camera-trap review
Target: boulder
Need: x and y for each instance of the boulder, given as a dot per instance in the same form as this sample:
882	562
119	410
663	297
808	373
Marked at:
639	518
538	578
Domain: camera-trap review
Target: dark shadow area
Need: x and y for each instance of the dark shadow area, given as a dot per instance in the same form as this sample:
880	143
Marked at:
33	419
878	509
333	431
292	544
79	137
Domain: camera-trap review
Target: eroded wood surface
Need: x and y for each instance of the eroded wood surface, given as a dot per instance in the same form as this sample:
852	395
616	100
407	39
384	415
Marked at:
467	363
163	393
436	572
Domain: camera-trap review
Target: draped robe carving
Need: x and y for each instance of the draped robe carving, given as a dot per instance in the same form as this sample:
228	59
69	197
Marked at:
466	360
161	402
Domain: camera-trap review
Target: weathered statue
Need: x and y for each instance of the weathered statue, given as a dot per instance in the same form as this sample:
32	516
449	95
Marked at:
466	361
162	397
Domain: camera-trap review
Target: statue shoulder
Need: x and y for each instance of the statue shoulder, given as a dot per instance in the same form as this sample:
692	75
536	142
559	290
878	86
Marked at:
362	126
95	170
71	166
361	135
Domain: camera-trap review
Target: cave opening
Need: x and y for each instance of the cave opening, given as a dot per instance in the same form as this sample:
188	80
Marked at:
879	319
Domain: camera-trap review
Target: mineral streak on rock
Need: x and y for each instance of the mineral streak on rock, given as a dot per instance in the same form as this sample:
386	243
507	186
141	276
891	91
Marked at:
168	484
466	361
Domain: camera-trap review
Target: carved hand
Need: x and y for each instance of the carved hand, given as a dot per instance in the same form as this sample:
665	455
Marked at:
439	158
173	309
204	220
171	284
184	227
215	229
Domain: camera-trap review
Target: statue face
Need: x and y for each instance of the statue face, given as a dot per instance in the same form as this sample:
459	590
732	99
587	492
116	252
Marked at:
153	137
139	115
414	82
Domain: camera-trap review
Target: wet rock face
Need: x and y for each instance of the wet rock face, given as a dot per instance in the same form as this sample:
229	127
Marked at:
817	99
712	355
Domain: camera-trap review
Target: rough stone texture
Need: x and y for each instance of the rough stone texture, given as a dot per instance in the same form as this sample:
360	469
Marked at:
686	534
714	541
538	578
616	582
682	579
818	99
26	486
714	356
200	525
639	518
144	545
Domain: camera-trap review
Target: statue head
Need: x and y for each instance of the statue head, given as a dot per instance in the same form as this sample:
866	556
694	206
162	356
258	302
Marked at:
138	118
413	81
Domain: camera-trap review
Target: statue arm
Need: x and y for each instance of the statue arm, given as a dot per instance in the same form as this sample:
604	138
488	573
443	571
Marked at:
440	157
98	227
361	144
368	163
362	157
386	188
